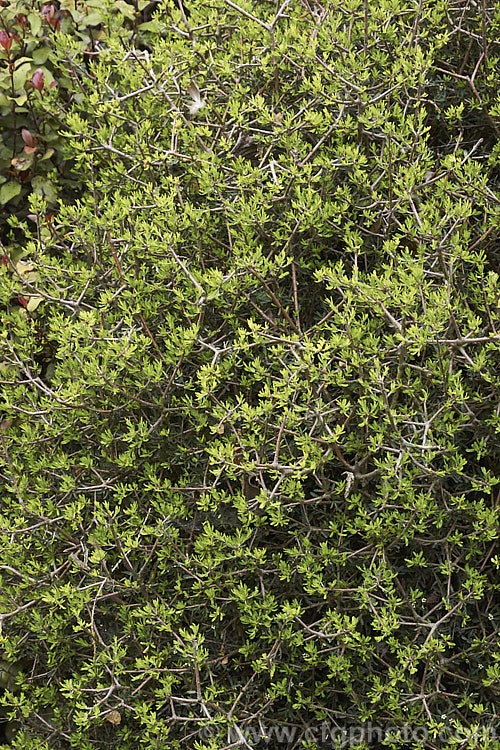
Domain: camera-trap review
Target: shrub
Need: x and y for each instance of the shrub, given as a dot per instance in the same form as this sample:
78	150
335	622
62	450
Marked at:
250	387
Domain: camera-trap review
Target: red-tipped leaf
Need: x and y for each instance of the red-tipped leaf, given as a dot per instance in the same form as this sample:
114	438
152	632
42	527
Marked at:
5	40
38	79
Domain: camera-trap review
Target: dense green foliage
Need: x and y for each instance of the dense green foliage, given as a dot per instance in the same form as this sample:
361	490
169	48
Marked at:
250	380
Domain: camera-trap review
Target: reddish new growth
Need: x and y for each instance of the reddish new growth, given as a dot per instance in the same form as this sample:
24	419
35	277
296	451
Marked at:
38	79
6	40
30	141
51	15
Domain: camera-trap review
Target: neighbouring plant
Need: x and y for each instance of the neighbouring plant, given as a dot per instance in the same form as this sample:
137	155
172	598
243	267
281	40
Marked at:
250	385
37	83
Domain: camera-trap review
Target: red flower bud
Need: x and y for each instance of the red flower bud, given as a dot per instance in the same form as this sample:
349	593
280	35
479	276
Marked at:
6	40
22	301
38	79
28	137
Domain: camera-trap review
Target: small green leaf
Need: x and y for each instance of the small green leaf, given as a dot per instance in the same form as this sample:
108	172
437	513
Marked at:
44	188
40	55
22	61
93	19
124	9
35	23
47	154
21	75
19	100
8	191
149	26
33	302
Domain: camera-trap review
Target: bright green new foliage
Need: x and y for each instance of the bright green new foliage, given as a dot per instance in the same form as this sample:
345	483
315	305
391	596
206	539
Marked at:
250	384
